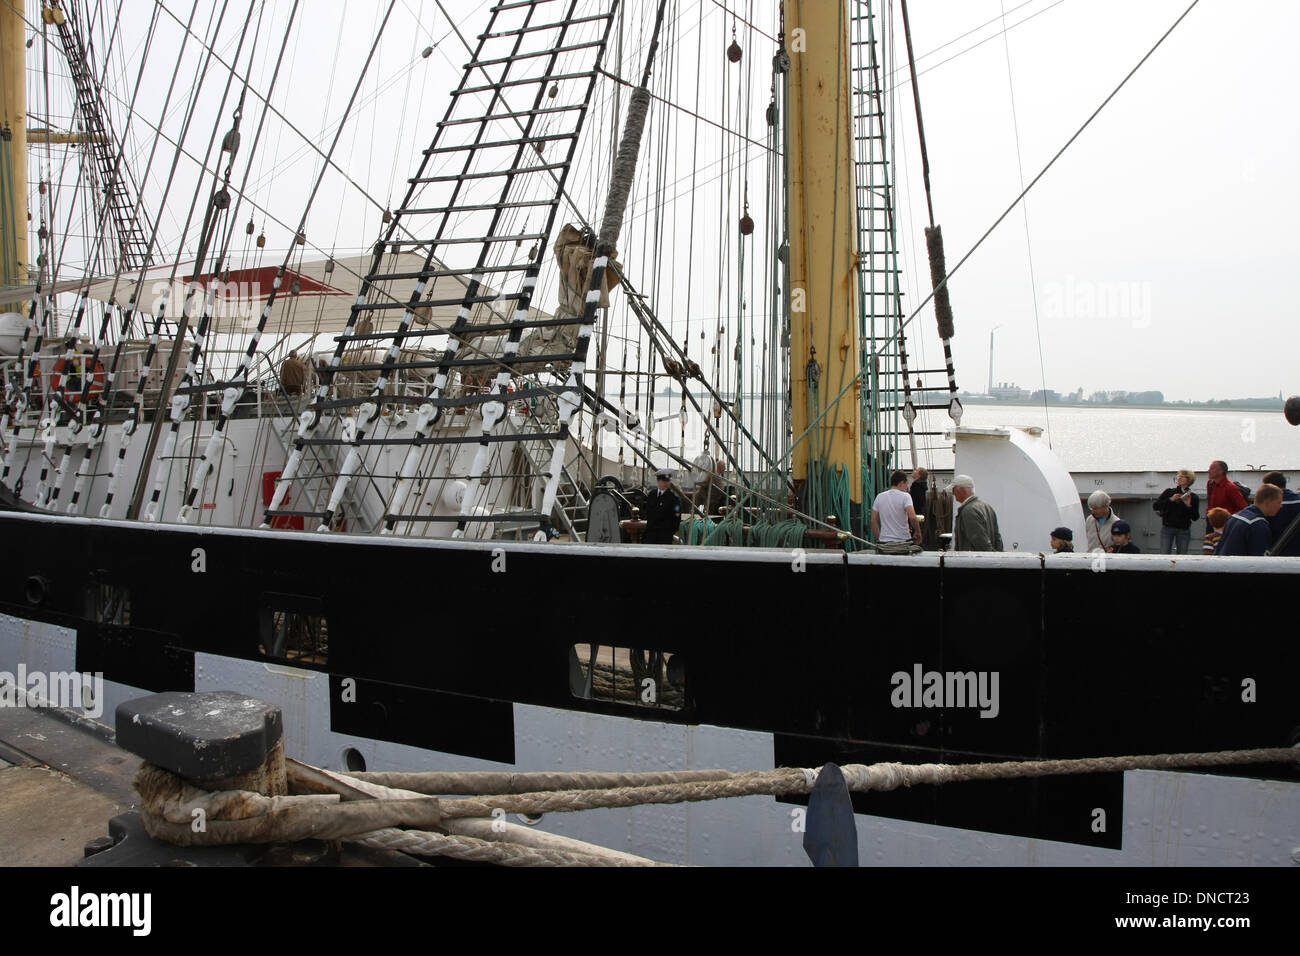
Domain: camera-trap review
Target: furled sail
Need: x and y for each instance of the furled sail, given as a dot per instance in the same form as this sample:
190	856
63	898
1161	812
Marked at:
573	254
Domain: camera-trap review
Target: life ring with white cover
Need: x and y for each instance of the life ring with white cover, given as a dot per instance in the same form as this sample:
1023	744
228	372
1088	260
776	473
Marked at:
78	370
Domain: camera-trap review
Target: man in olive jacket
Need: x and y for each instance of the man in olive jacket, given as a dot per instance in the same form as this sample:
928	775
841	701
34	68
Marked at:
976	527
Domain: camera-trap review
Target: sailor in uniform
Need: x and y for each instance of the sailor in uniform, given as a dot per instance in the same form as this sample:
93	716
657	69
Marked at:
663	510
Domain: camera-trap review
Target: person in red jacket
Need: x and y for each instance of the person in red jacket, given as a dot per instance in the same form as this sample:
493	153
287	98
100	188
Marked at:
1221	492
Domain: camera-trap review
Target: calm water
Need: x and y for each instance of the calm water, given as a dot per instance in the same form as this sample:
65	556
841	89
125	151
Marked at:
1140	439
1107	439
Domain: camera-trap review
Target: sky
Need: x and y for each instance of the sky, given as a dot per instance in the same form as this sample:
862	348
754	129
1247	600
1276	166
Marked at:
1152	255
1160	240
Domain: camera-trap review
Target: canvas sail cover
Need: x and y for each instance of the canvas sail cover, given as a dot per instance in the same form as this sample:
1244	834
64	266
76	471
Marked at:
316	296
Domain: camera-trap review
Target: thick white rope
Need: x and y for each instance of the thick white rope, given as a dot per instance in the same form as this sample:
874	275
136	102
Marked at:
357	808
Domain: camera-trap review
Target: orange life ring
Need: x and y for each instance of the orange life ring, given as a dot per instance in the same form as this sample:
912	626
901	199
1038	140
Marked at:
97	379
523	403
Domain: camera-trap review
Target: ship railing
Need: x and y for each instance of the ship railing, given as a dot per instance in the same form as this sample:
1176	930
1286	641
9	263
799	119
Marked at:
571	501
13	370
128	363
283	404
264	372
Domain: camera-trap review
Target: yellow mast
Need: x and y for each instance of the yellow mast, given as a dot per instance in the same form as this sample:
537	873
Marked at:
823	272
13	114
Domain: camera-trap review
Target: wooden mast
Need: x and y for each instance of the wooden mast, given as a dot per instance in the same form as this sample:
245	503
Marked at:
13	115
823	292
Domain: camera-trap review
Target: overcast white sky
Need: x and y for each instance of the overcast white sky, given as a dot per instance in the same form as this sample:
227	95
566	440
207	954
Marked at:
1182	194
1162	242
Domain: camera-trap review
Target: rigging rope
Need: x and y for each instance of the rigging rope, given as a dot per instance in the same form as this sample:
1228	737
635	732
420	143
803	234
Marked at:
1029	246
809	430
217	207
974	46
37	309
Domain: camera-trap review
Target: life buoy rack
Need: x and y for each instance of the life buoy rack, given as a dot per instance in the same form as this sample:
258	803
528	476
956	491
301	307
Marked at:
98	378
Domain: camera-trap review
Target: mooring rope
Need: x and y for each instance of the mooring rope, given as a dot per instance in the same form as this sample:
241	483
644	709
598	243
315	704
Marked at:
474	850
477	783
859	778
399	811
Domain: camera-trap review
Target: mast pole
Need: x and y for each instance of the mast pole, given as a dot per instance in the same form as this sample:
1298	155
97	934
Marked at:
823	268
13	162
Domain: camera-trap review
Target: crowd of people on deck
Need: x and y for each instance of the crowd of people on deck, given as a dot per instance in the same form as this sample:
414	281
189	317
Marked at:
1233	525
910	516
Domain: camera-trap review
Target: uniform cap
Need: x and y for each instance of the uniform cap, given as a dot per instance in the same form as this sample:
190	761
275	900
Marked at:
664	473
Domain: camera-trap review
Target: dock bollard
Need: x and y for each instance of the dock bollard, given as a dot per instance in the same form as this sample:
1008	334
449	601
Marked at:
216	740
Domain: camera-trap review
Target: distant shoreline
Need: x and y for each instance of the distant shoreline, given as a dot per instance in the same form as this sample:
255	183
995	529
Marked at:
1271	405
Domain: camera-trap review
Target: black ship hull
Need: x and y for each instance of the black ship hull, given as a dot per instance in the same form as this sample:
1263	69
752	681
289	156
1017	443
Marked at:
432	644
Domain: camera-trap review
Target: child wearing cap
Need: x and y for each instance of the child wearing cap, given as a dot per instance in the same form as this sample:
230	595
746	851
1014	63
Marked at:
1121	539
1215	519
1062	540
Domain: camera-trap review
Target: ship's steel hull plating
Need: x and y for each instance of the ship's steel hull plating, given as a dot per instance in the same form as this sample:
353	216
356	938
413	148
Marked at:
780	659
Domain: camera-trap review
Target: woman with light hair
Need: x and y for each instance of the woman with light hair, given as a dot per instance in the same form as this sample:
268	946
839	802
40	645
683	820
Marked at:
1099	523
1178	507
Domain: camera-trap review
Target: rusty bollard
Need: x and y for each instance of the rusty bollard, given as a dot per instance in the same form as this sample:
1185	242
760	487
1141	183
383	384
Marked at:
216	740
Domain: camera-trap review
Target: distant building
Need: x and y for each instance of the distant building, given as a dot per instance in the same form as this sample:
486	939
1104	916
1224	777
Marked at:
1008	391
1045	395
1120	397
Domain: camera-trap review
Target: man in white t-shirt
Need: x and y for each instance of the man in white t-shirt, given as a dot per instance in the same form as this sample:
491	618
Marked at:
893	519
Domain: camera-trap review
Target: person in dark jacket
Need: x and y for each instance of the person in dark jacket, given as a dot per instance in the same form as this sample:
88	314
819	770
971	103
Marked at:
663	510
1178	507
1121	538
920	486
1247	532
1282	520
